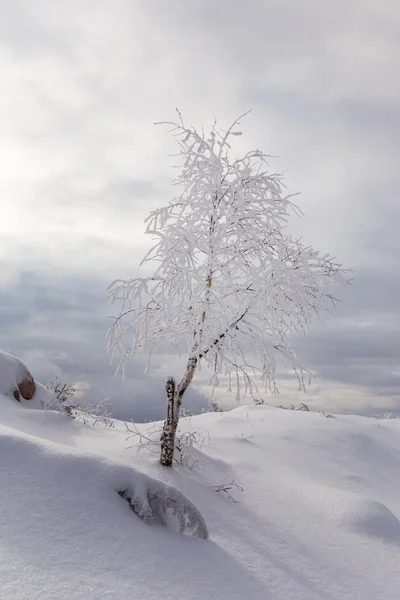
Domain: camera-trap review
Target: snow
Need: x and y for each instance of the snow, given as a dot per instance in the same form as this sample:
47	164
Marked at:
12	372
318	517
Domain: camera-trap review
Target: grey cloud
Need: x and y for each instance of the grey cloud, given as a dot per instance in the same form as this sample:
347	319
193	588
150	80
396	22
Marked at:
83	95
22	29
373	292
371	117
359	346
66	336
123	190
308	48
114	212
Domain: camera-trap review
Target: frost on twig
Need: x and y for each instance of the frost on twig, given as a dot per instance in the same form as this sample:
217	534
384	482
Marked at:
229	281
326	415
148	437
300	407
61	399
187	443
85	411
94	413
231	288
386	416
156	502
226	489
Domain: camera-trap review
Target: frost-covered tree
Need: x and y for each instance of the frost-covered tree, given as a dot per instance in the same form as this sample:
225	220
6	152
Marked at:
231	287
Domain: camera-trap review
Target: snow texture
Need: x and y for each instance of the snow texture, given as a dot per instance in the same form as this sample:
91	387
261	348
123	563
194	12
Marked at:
317	518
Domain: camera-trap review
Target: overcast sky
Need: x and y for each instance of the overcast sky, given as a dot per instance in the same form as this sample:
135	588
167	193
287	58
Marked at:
81	164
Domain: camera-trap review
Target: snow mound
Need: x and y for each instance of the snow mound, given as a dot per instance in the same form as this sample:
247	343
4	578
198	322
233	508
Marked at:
155	502
13	373
352	511
372	518
15	377
298	508
65	533
150	499
42	398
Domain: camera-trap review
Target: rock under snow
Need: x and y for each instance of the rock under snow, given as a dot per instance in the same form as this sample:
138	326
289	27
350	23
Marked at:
15	378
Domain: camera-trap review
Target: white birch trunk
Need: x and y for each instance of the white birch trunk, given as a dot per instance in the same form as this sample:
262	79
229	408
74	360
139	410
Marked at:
174	403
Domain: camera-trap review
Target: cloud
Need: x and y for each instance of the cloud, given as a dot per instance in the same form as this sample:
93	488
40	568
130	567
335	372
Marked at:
358	347
59	330
82	164
42	368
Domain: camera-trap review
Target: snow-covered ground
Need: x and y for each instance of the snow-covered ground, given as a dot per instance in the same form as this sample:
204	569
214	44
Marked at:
317	517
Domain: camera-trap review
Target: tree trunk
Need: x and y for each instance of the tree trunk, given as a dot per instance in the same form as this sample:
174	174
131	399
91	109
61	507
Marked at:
167	437
174	401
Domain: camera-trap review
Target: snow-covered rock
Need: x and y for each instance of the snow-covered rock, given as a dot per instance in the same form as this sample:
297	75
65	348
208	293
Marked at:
15	378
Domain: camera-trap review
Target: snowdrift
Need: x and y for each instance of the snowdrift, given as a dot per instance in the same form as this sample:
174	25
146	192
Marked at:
298	507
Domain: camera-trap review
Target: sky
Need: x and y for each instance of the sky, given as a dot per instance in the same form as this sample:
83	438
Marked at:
82	164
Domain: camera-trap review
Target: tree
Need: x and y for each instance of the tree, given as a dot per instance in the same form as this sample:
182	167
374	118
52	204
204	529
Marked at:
231	286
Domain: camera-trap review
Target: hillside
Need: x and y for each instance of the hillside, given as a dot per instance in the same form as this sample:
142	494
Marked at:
312	514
